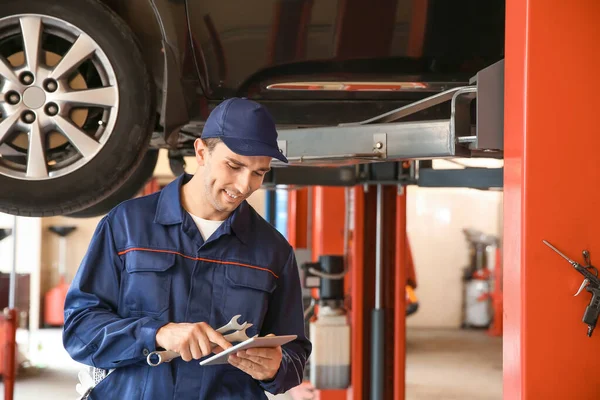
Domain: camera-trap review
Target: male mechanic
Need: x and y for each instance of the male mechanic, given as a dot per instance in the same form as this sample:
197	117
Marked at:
165	270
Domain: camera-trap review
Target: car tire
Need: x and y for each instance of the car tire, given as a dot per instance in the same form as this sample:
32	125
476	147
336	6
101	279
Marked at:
128	190
133	119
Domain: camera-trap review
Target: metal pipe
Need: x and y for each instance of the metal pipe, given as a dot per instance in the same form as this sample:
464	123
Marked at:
12	291
270	205
378	314
414	171
378	245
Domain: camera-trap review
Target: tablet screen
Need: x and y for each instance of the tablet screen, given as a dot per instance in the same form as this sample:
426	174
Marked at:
266	341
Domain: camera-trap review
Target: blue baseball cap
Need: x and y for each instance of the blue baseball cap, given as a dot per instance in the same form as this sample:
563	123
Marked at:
245	126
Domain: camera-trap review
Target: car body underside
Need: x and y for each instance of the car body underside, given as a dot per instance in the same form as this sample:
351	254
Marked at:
331	72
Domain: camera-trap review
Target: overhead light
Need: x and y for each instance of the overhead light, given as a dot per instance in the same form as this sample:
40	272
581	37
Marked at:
354	86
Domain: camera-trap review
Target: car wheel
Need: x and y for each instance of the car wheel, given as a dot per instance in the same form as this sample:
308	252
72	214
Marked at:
77	105
128	190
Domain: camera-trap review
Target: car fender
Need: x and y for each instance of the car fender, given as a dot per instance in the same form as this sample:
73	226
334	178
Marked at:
173	107
153	23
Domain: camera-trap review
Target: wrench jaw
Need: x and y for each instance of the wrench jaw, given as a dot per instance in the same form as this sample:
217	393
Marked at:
234	329
233	324
238	336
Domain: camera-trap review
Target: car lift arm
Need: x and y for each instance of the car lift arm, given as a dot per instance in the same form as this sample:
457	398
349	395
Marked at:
355	149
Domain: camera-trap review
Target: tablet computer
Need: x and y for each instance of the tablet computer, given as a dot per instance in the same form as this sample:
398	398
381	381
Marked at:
265	341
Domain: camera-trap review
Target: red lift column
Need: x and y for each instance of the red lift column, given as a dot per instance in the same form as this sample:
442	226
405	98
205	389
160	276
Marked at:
329	213
551	173
9	372
400	297
9	321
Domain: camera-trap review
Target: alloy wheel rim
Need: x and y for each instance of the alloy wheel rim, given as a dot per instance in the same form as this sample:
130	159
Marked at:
39	100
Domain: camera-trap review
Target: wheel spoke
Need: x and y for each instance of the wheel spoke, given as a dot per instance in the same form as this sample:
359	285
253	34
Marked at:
6	126
103	97
86	145
36	156
78	53
32	35
7	72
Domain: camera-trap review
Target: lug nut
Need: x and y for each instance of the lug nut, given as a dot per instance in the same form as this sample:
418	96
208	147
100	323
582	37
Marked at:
27	78
28	117
51	109
12	97
50	85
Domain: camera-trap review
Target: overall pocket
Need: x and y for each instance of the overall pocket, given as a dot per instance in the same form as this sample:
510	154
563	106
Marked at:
247	292
147	283
123	383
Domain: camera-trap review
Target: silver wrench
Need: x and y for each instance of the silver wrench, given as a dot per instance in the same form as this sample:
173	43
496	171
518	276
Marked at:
237	336
232	325
167	355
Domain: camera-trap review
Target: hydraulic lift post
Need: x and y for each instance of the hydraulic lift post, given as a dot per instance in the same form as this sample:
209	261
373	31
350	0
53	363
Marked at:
356	294
401	266
386	144
550	174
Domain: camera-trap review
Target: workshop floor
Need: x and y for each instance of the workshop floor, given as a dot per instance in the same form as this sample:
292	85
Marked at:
441	364
453	365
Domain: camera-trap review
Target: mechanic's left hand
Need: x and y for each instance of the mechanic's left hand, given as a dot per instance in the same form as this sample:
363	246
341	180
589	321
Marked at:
261	363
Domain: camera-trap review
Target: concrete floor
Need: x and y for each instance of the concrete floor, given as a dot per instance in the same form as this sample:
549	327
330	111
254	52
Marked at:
441	364
453	365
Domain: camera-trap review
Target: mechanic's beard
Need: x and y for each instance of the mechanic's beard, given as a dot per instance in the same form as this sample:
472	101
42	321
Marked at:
209	186
212	194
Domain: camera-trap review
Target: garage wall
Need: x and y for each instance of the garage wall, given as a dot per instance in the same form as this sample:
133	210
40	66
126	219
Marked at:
6	246
28	256
435	219
77	244
28	243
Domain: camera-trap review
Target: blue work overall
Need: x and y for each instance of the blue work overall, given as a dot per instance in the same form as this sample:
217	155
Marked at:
147	265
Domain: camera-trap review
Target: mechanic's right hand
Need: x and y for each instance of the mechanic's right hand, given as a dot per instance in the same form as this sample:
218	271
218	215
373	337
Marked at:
192	341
